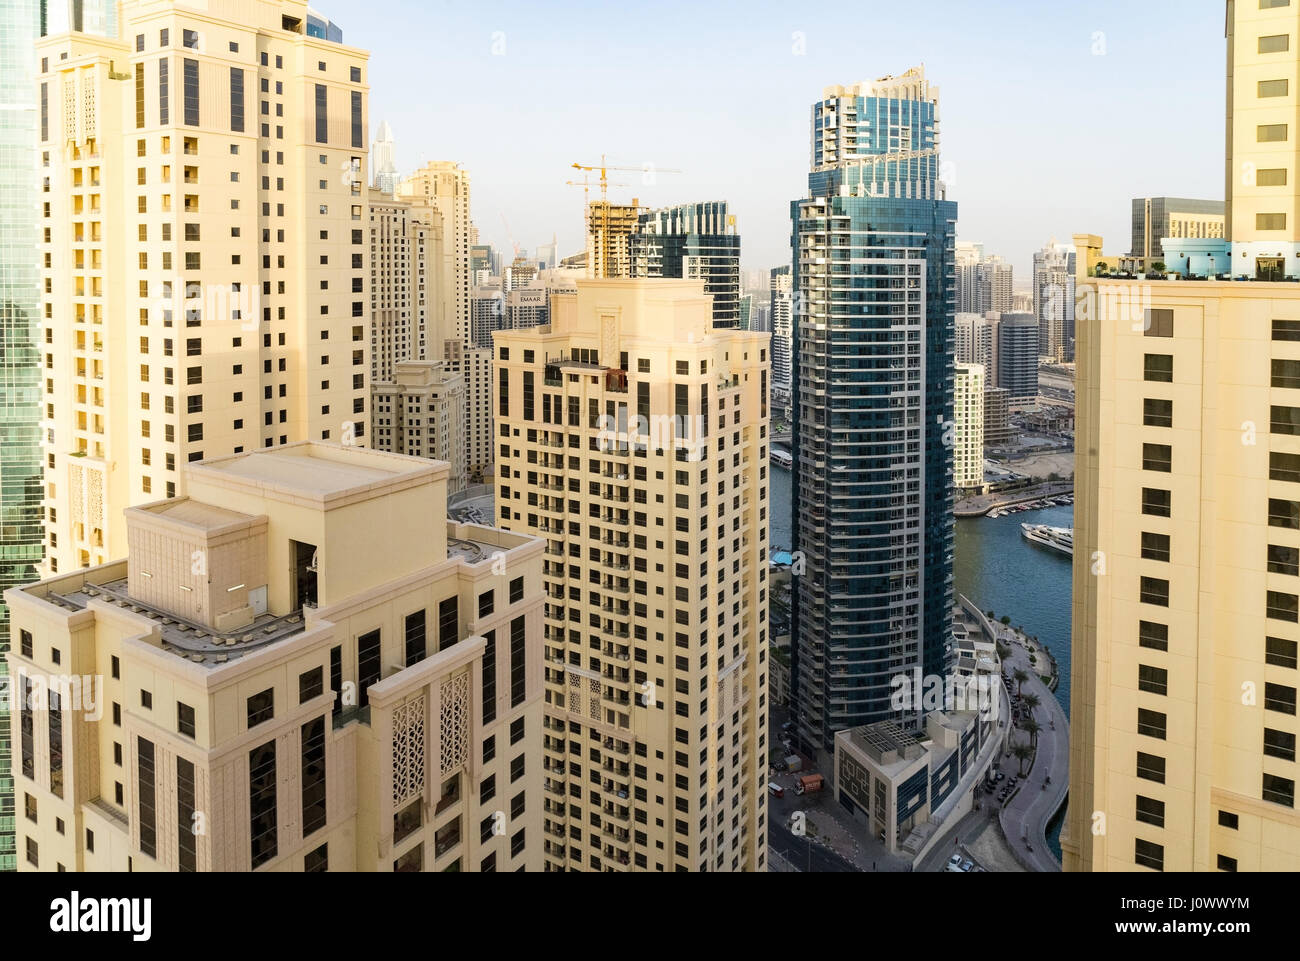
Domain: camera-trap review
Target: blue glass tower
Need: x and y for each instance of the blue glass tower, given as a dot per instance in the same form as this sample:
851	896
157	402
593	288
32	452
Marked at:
874	288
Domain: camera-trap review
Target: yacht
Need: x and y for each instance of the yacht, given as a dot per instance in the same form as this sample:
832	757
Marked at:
782	459
1060	539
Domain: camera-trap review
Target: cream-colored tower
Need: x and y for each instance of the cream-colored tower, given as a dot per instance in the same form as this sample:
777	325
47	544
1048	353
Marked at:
634	440
968	432
1186	609
300	666
406	267
418	412
1263	139
609	238
444	186
204	252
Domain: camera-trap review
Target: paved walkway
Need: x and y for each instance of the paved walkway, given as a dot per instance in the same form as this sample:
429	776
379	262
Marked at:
981	504
1025	817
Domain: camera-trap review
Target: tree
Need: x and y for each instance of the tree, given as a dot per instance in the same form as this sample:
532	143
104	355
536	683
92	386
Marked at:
1031	727
1158	267
1006	618
1022	753
1020	676
1101	269
1031	702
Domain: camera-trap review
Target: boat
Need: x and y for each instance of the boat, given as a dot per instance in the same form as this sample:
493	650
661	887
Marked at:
1059	539
782	459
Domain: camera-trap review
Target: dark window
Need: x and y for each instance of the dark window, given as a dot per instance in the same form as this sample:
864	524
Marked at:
1150	767
516	768
1280	698
1157	413
318	861
1280	652
1286	373
1154	680
25	640
516	730
518	667
357	133
1228	820
311	684
184	719
1279	744
1152	723
1148	854
313	776
139	104
336	679
1158	457
236	100
415	644
191	93
1156	502
1284	467
490	677
146	797
1159	322
486	603
322	114
503	393
185	845
56	743
1155	547
261	803
1283	513
261	707
1279	790
1159	368
1282	607
1284	420
1283	560
1226	863
163	102
1151	811
1154	636
516	590
368	666
448	622
408	820
1285	329
1154	590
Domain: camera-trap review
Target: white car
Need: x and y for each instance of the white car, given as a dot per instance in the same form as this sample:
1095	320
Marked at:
954	864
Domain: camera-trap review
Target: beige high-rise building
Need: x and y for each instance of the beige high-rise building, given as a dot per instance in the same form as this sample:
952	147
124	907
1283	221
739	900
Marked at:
282	677
444	186
406	265
203	252
634	440
1187	529
419	413
968	433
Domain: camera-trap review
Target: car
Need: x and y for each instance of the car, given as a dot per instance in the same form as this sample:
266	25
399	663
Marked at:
967	867
955	860
1001	775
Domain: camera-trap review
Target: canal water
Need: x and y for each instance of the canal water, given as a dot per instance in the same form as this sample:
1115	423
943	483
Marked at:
996	568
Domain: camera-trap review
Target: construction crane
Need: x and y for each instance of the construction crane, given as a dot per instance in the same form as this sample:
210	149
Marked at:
603	167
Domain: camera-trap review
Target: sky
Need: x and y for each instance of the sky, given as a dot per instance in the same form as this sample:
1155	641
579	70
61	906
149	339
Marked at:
1053	115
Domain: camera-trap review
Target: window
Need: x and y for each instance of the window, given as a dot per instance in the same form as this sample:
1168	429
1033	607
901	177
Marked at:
311	684
146	798
313	776
518	668
236	100
1279	790
1159	457
33	853
1284	420
1286	330
1280	652
184	719
1154	590
322	114
1155	547
1150	767
1148	854
412	862
516	769
1282	607
1226	863
1270	133
368	666
318	861
1279	698
1279	744
1153	680
1283	513
485	603
191	80
415	641
408	820
261	803
1286	373
516	730
490	678
1273	88
1283	560
448	622
1228	820
1271	177
1153	636
1152	723
1277	43
1273	221
516	590
1159	322
261	707
185	824
1157	413
1150	811
1159	368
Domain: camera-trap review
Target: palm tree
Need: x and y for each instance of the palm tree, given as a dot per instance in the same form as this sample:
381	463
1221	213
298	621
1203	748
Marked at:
1022	753
1031	727
1019	676
1030	701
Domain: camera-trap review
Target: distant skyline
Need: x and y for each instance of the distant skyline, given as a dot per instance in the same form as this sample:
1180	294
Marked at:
1052	118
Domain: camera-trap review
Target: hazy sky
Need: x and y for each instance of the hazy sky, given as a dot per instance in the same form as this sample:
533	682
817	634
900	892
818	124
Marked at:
1054	115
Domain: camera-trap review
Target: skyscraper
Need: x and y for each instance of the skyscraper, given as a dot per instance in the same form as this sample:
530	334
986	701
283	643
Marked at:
610	227
1155	218
205	249
634	440
1017	347
994	280
968	257
382	160
1054	301
782	309
873	249
968	427
697	241
1186	609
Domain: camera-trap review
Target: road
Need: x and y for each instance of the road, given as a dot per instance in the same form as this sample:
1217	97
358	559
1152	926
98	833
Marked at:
802	852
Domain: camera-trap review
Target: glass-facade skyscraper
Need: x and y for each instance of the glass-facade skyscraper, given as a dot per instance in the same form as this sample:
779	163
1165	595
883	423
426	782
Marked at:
693	241
874	289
